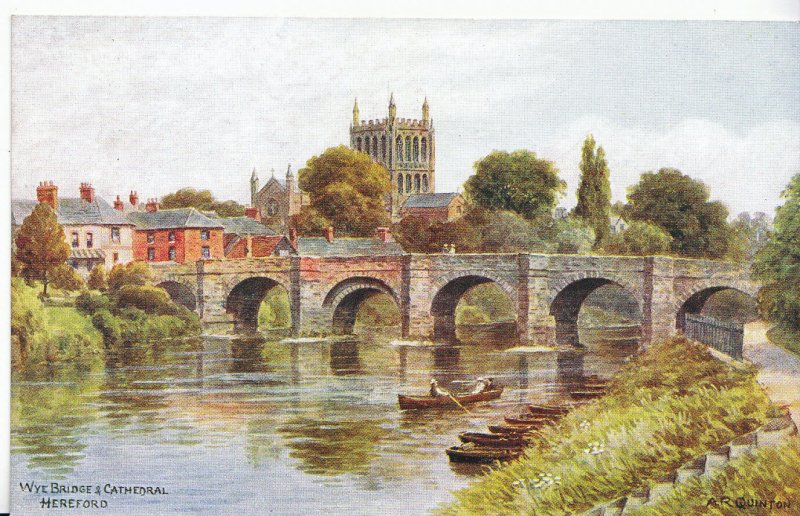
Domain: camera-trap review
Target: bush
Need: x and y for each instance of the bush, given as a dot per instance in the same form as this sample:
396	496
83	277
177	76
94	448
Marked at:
639	239
573	236
97	278
152	300
274	311
108	325
90	303
134	273
65	277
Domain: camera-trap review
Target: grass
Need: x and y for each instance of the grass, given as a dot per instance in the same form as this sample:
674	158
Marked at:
769	474
668	405
786	338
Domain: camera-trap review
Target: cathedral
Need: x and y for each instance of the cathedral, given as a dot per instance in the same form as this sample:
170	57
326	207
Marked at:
405	147
277	200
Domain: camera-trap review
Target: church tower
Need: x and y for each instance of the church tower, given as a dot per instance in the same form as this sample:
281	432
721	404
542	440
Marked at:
405	147
253	187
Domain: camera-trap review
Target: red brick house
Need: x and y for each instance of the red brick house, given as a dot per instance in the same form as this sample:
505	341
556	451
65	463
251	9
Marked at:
246	237
435	207
179	235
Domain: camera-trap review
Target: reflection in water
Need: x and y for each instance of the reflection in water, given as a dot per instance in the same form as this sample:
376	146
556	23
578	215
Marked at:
314	413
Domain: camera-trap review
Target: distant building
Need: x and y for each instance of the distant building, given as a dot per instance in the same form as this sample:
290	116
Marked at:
327	245
435	207
246	237
95	232
177	235
618	224
560	213
277	200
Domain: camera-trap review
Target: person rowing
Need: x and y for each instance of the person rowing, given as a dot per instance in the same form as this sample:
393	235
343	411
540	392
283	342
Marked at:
436	392
481	386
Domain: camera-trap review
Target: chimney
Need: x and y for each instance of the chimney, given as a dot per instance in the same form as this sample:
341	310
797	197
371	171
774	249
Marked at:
293	237
134	199
47	192
329	233
152	205
87	192
118	205
253	213
383	234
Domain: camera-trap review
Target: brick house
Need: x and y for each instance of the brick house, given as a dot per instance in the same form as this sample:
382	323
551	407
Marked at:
246	237
435	207
178	235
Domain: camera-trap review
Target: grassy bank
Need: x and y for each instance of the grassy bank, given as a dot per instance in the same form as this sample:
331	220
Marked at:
666	406
786	338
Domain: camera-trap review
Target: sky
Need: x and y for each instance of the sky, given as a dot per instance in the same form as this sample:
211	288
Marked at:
156	104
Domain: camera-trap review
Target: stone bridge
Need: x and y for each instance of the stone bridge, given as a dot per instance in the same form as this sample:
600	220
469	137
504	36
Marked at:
546	290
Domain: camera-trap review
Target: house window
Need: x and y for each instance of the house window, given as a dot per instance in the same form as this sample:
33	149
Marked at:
151	237
115	234
283	252
75	241
172	254
89	240
151	254
206	252
272	207
115	257
171	236
204	234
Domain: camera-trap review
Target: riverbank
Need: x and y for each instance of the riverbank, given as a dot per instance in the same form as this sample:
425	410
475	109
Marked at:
666	406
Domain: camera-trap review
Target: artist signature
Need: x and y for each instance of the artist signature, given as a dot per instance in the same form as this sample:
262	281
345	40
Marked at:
748	503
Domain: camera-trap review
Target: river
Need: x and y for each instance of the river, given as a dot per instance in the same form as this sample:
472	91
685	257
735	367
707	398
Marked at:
291	427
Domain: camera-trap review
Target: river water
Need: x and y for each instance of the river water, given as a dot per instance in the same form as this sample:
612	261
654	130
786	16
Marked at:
291	427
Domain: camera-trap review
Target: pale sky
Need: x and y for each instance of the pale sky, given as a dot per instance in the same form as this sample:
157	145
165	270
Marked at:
156	104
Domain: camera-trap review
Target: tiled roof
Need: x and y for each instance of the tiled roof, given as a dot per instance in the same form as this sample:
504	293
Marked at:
430	200
169	219
72	211
319	246
240	225
88	253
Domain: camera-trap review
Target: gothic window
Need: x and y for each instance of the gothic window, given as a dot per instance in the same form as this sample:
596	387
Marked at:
408	183
399	148
424	149
399	184
375	147
383	147
358	144
408	148
424	181
416	149
416	183
272	207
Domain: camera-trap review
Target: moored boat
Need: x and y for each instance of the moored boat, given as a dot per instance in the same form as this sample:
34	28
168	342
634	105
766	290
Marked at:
481	455
530	419
424	402
505	428
494	440
547	410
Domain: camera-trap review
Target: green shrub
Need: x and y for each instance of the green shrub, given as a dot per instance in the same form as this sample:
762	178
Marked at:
88	303
134	273
66	278
152	300
639	239
108	325
97	278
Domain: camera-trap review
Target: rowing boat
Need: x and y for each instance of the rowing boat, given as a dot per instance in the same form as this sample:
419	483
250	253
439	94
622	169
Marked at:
548	410
505	428
531	419
424	402
481	455
493	440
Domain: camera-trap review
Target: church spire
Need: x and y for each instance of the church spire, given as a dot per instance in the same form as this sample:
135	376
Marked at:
392	108
289	173
425	111
355	113
253	187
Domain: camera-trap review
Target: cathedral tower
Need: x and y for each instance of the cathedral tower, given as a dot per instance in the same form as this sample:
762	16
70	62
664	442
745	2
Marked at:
404	146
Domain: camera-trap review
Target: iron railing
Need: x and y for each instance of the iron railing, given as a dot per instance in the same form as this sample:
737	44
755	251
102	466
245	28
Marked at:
724	336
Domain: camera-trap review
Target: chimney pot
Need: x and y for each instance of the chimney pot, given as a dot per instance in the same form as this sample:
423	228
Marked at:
118	205
293	237
329	233
134	198
383	234
87	192
152	205
253	213
47	192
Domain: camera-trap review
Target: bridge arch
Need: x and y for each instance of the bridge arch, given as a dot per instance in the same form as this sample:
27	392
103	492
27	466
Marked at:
452	287
244	300
569	296
180	293
692	300
347	296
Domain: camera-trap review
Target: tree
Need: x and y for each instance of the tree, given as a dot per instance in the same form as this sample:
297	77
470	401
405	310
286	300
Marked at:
202	200
777	264
516	181
639	239
65	277
594	192
750	234
134	273
679	205
41	245
97	278
347	188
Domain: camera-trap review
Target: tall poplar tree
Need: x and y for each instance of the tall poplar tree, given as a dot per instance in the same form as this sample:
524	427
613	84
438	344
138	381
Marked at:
594	192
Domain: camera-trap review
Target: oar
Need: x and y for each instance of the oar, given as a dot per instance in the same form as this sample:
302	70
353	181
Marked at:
459	404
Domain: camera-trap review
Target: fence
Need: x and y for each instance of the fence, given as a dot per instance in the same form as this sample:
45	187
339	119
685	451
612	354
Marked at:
727	337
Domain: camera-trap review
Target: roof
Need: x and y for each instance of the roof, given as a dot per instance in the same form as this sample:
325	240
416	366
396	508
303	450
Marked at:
271	242
72	211
96	254
319	246
430	200
169	219
240	225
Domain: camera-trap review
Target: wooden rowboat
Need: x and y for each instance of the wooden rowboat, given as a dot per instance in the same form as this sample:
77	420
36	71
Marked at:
424	402
494	440
481	455
513	429
530	419
547	410
587	394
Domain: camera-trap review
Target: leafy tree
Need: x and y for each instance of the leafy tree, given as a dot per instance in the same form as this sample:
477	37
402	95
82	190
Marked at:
777	264
41	245
679	205
516	181
65	277
750	234
310	222
202	200
594	192
347	188
639	239
97	278
134	273
573	236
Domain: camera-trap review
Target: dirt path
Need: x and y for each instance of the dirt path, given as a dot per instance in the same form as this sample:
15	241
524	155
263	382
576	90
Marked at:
779	369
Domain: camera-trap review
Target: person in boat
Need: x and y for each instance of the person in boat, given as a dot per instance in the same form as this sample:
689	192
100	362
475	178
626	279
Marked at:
490	384
481	386
436	392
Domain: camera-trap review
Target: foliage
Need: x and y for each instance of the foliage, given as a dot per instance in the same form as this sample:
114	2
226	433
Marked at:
151	300
378	310
88	303
482	304
202	200
516	181
347	188
97	278
41	245
310	222
594	191
731	305
785	337
134	273
639	239
777	264
750	234
66	278
275	311
679	205
570	236
669	404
